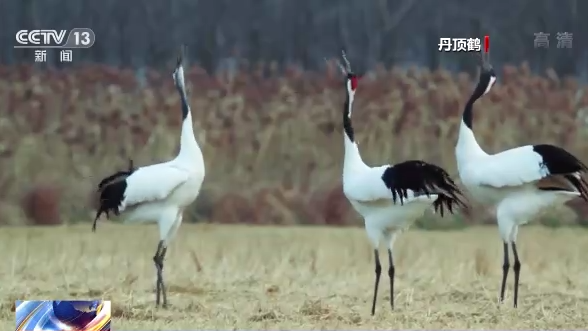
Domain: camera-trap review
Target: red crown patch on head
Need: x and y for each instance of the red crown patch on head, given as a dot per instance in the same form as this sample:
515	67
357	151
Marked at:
353	83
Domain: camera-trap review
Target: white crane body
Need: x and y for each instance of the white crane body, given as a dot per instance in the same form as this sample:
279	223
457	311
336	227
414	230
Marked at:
160	192
390	198
518	184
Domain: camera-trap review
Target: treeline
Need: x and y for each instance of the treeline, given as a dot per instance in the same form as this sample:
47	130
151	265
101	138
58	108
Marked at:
224	35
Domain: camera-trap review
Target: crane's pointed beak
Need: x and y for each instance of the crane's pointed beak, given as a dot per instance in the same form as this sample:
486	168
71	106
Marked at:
180	56
179	63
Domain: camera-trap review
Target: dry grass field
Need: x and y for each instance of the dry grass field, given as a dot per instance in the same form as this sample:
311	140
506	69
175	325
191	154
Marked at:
273	151
239	277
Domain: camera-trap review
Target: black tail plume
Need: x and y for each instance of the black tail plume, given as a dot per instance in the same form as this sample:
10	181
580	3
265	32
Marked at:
580	184
425	178
111	192
558	161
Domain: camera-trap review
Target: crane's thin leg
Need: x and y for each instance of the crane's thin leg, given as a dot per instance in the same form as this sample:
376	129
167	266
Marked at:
391	272
505	267
158	260
378	272
160	256
163	291
517	271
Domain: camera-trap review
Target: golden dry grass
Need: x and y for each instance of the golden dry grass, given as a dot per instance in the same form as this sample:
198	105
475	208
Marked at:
228	277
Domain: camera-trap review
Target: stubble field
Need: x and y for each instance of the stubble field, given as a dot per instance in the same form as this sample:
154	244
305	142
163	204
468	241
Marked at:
273	152
229	277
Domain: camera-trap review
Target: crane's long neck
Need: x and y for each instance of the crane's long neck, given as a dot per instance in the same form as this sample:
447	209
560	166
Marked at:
352	159
188	145
467	145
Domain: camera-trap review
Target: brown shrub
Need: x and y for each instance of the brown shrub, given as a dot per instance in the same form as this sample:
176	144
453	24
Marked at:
332	208
233	208
276	206
267	142
41	204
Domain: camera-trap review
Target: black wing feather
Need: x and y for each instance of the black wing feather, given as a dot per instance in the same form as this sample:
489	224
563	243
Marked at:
116	175
425	179
558	161
111	191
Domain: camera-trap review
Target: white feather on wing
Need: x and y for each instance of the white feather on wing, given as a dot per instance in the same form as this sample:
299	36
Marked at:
368	186
152	183
513	167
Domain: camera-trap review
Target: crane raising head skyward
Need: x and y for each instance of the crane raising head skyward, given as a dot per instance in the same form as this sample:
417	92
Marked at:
389	197
159	192
518	183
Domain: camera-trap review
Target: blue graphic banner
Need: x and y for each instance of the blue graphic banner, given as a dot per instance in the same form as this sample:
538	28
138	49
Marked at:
52	315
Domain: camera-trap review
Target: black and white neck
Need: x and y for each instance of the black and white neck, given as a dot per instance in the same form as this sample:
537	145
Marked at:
352	157
485	83
188	145
467	146
348	109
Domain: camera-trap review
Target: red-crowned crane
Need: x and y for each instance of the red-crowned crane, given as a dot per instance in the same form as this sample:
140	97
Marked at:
518	183
160	192
390	197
